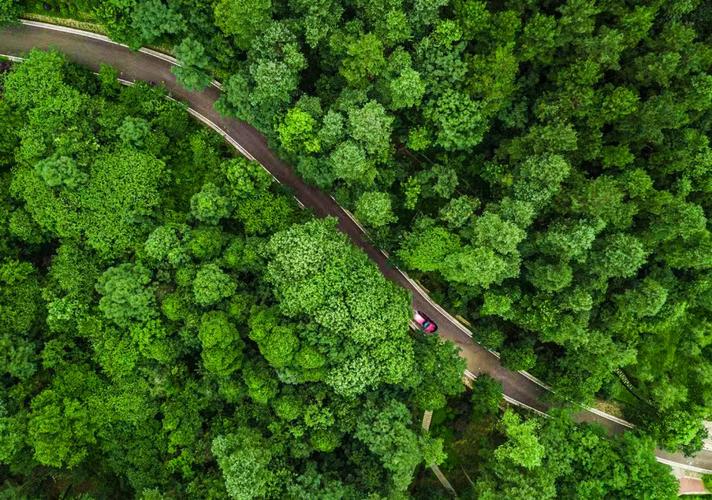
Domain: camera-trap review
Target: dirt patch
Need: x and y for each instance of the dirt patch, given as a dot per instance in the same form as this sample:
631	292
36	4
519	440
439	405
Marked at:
609	407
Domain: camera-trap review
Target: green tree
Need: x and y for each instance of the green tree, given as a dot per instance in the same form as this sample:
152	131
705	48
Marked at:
459	211
211	285
153	19
539	179
9	11
242	19
348	162
459	122
407	90
374	209
36	80
244	458
439	375
20	303
364	60
620	256
221	344
486	396
126	295
209	205
427	246
385	431
298	132
133	131
192	72
314	273
167	243
371	126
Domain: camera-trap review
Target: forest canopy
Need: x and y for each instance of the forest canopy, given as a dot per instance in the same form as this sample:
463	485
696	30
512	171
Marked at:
544	168
161	334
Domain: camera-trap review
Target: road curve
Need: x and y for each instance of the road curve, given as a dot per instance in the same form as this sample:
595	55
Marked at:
91	50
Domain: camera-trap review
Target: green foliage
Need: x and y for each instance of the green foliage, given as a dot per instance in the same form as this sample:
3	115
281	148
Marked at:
297	132
125	286
427	247
260	382
348	162
538	179
546	169
60	172
242	19
486	397
407	90
384	430
522	447
364	316
244	459
364	60
459	211
35	81
9	11
439	375
491	257
133	131
112	210
371	127
496	455
222	346
212	285
167	244
209	205
125	294
20	306
194	62
374	209
60	429
458	121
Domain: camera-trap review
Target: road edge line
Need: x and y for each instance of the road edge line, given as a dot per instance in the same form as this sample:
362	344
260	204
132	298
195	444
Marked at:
103	38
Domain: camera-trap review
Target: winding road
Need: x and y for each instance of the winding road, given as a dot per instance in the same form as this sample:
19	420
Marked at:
90	50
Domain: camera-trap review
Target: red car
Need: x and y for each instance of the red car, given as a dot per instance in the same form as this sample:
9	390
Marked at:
426	324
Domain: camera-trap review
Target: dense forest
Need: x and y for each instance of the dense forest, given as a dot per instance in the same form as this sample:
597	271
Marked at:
543	167
156	335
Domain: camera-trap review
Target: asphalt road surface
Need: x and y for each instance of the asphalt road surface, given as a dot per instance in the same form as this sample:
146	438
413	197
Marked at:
91	50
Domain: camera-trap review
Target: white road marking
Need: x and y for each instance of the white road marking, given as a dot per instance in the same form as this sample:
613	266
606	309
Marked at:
509	399
353	219
103	38
513	401
681	465
227	137
73	31
530	376
608	416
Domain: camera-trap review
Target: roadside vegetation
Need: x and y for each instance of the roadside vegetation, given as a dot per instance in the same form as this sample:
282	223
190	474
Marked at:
171	323
493	454
544	168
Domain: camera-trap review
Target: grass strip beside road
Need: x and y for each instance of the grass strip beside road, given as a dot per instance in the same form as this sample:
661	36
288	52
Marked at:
66	21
